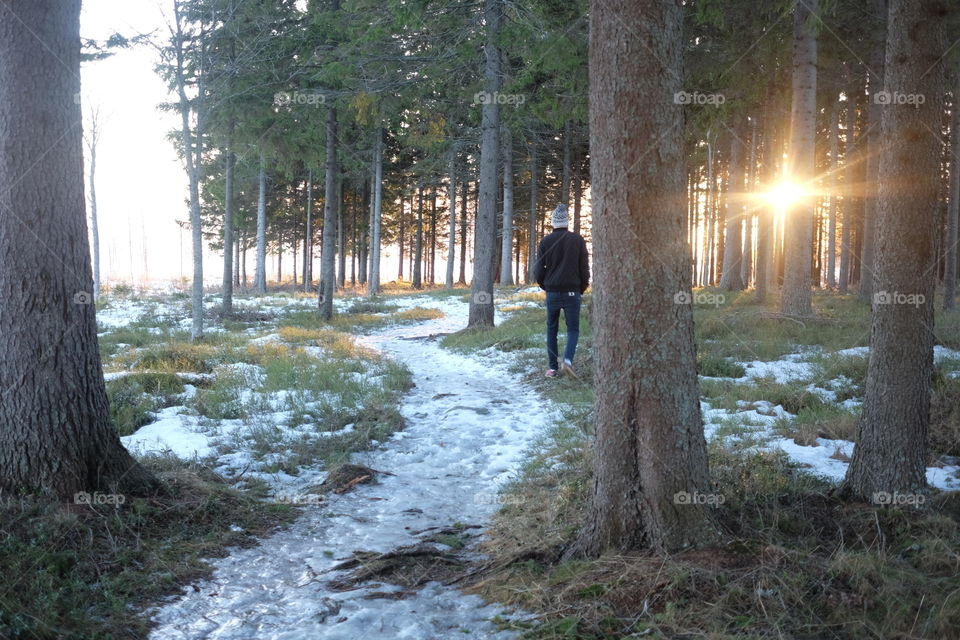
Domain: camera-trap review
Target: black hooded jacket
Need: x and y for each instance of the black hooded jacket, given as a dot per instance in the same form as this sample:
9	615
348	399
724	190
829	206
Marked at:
562	262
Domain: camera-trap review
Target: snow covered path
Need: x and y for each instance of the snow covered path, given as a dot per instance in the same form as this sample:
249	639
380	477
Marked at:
466	428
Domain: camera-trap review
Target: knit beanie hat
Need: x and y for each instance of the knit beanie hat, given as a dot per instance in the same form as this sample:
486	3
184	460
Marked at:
559	217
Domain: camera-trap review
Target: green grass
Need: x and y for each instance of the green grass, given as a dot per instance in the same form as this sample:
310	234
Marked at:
76	571
134	397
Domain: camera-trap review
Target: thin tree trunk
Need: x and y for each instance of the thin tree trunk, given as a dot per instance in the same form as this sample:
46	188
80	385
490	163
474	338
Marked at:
953	206
834	185
463	230
373	288
650	453
849	196
565	174
452	199
891	451
341	239
532	214
308	238
433	236
94	138
228	226
260	271
418	242
328	247
506	249
733	229
577	196
746	265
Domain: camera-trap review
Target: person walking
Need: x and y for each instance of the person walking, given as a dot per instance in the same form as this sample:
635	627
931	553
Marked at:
562	270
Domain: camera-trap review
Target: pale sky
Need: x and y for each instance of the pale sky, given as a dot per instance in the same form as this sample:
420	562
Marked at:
141	184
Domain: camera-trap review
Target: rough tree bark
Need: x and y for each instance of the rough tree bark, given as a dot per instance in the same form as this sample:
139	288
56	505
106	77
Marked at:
878	36
650	448
795	298
890	456
55	431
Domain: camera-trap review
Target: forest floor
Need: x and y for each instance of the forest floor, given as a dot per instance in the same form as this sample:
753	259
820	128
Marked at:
475	470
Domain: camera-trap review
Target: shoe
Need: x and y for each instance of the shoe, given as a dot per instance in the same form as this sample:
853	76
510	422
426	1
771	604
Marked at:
551	373
567	369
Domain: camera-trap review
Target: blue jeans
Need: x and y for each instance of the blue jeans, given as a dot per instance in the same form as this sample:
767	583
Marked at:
569	303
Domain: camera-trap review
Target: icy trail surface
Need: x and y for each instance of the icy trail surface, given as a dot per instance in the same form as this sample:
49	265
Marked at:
467	424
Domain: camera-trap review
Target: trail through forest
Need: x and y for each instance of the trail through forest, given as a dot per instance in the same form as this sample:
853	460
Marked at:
466	428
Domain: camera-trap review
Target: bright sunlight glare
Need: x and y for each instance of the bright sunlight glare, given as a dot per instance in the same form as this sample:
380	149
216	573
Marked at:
785	193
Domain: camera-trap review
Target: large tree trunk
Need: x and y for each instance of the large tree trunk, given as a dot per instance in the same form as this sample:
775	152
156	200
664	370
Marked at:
650	451
373	288
878	34
260	270
228	226
953	206
506	249
484	234
328	249
55	431
834	171
308	238
795	298
890	456
452	200
733	229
